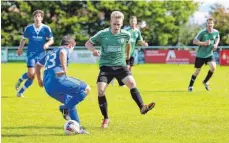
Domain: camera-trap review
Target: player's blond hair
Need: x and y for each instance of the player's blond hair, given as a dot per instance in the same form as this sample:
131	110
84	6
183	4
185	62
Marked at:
117	15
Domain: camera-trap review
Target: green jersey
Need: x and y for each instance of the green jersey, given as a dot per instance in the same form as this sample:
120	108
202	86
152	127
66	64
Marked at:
135	37
113	47
204	35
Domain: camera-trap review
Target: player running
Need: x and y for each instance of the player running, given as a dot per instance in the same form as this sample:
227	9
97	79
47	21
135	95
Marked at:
114	42
207	41
37	35
136	37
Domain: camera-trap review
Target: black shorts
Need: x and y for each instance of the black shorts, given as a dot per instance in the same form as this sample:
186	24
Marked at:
107	73
130	61
200	61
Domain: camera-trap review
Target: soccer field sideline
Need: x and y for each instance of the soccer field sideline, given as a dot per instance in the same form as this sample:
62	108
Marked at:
179	116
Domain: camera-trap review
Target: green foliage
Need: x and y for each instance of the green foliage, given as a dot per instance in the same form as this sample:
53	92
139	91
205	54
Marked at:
85	18
188	33
221	15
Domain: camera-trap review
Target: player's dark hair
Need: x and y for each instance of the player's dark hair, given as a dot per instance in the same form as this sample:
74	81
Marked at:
38	11
67	39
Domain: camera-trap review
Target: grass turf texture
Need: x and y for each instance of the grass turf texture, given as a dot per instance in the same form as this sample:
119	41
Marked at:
179	116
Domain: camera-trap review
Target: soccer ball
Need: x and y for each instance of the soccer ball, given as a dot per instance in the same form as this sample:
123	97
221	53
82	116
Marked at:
71	127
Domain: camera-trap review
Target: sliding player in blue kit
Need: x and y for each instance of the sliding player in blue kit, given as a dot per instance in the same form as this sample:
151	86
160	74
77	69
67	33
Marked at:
67	90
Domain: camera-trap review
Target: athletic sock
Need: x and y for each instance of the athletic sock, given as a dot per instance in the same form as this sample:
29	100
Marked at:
23	77
137	97
209	75
27	84
193	78
74	115
103	106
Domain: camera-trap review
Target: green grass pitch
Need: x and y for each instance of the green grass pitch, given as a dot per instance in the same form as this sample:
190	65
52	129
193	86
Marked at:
179	116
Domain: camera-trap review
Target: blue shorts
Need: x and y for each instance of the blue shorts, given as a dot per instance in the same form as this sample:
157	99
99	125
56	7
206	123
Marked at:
33	58
59	88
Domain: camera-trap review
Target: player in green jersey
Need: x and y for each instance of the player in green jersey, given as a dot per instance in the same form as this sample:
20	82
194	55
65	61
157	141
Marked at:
207	41
114	43
136	37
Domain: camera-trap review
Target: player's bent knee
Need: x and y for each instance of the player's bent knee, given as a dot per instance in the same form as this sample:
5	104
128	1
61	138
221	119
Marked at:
213	69
132	84
101	93
31	76
197	72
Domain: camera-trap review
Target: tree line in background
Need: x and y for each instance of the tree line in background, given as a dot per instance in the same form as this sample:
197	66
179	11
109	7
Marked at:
167	21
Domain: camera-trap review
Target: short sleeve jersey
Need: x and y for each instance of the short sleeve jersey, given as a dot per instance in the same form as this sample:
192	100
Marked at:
37	37
52	64
113	47
136	36
204	35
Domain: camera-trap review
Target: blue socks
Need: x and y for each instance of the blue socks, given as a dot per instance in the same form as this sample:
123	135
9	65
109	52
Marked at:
24	76
74	115
27	84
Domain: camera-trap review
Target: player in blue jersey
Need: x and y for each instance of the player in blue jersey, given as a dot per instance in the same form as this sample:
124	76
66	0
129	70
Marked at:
67	90
37	34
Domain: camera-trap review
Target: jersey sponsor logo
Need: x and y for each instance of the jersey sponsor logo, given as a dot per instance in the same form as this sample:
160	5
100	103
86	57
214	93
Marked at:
38	38
122	41
113	49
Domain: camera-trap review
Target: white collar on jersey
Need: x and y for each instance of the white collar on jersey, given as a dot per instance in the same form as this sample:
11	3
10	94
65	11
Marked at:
37	30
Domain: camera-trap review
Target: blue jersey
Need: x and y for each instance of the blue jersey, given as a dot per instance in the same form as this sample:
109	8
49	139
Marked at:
37	38
60	88
52	64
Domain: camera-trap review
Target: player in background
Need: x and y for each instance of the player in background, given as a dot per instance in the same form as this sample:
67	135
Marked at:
136	37
114	43
67	90
207	41
37	34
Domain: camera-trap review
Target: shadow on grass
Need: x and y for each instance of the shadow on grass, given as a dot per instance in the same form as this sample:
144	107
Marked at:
8	96
173	91
31	127
27	135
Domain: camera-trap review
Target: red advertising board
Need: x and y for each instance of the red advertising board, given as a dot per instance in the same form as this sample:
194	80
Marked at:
170	56
224	57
